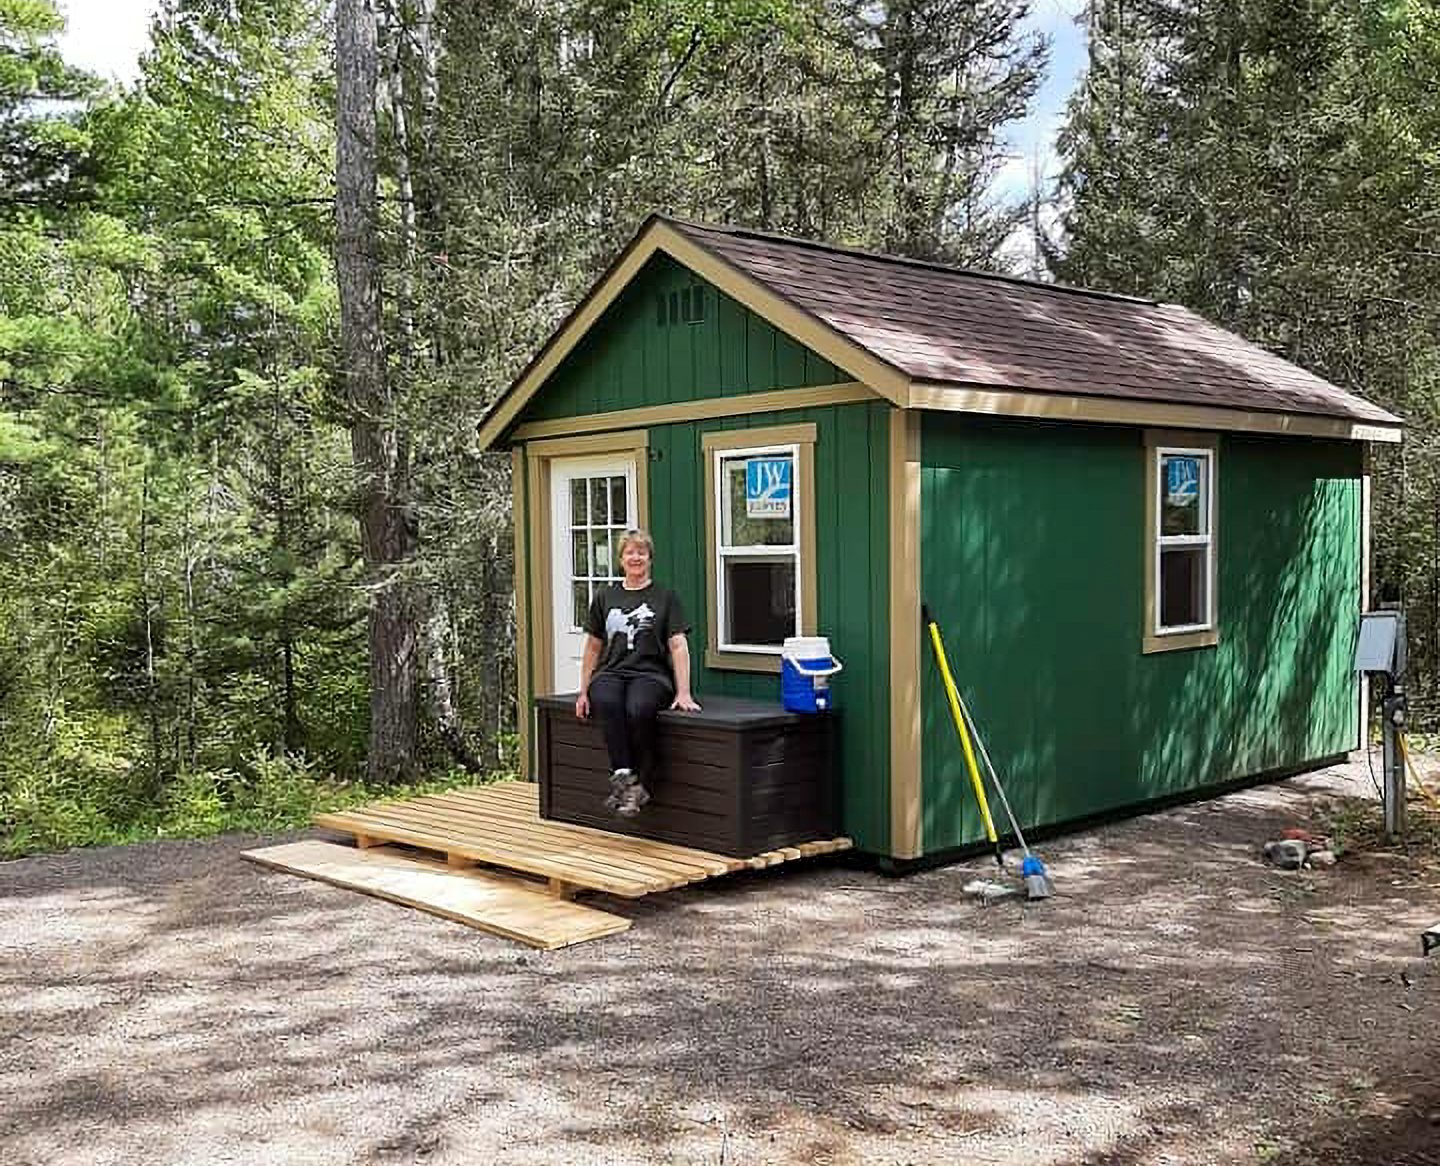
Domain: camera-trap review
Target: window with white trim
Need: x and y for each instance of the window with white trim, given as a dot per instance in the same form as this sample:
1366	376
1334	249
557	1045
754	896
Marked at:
1183	561
757	546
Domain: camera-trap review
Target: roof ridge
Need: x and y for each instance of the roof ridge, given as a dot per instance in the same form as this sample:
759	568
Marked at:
905	260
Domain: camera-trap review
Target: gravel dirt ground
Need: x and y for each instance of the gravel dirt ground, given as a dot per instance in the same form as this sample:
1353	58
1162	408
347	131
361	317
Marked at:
1176	1002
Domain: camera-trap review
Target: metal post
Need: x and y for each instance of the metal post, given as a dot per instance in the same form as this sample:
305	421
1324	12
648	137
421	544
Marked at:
1391	725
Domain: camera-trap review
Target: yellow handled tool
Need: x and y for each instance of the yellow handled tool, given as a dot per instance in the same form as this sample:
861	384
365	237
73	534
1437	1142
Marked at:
953	695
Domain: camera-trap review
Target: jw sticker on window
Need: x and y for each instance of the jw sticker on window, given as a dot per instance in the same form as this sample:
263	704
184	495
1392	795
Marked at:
1181	504
767	487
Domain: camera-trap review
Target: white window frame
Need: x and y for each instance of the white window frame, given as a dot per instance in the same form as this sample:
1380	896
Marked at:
798	442
1157	636
778	552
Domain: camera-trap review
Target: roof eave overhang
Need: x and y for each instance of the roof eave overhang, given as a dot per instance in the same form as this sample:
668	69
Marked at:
658	235
1005	402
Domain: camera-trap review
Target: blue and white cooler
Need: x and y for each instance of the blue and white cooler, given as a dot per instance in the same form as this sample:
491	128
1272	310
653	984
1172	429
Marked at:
806	666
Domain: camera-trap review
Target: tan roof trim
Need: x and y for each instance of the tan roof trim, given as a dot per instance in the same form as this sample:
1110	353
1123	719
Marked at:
1126	411
704	409
658	235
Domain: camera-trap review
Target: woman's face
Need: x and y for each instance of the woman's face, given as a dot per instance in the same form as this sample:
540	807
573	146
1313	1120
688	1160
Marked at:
635	558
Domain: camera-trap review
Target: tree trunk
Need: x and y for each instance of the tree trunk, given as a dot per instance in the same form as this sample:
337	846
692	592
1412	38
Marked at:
377	444
436	638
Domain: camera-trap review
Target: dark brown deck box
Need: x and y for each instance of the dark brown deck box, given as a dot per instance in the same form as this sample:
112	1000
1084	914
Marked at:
738	778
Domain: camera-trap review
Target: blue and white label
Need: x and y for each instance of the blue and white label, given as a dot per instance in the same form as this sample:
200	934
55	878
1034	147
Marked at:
1182	480
767	487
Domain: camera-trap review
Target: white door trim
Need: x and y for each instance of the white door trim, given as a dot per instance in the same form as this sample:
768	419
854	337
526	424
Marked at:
539	456
598	548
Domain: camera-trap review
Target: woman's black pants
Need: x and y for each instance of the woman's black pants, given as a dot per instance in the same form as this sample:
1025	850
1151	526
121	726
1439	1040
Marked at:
627	706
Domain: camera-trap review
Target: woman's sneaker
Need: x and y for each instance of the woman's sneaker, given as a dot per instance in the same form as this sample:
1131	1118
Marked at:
620	782
632	799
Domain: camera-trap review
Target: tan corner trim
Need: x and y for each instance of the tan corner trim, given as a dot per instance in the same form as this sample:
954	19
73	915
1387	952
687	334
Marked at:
746	404
1361	680
542	642
658	235
907	838
1057	407
770	435
538	458
523	646
809	586
597	443
1151	641
803	436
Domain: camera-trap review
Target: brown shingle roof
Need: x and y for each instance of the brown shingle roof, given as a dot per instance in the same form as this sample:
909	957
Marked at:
952	327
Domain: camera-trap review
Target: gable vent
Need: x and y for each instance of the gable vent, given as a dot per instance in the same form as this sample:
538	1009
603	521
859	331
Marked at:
686	306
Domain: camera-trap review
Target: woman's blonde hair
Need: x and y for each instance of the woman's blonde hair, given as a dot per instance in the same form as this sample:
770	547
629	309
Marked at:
634	535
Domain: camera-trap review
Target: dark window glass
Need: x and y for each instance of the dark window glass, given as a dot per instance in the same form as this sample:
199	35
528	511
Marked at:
761	598
1183	587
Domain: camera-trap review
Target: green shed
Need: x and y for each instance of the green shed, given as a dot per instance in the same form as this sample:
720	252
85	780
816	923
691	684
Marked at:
1145	539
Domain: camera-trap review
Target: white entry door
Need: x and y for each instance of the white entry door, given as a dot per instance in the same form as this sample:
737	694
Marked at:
592	503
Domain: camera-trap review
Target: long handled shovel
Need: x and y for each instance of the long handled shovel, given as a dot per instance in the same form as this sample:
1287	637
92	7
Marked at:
1032	869
953	695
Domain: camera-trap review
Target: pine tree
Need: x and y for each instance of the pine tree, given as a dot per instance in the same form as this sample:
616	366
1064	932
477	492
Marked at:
948	77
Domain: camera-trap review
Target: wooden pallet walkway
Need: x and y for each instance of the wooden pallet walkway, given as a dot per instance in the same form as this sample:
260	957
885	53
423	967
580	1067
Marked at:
499	826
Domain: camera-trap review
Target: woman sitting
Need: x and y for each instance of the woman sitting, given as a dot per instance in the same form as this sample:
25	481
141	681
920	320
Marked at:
636	662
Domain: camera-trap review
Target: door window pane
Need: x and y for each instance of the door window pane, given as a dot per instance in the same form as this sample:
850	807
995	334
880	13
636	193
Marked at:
619	511
581	558
600	553
599	502
580	592
761	601
578	507
1183	587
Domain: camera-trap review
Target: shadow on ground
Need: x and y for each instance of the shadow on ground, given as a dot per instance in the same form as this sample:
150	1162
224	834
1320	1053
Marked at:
1176	1002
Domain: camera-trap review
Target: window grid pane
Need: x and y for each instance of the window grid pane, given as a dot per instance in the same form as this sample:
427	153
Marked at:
599	507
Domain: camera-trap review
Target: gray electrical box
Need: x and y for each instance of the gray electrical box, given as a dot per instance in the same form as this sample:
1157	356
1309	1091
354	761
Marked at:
1381	646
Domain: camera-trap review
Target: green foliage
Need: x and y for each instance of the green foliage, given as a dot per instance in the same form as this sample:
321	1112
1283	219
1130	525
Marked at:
182	600
1272	165
42	812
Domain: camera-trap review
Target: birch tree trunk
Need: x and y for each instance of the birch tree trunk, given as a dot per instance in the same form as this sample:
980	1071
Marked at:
377	442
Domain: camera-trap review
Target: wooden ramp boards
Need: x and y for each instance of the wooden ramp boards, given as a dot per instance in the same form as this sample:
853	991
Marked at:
501	904
500	826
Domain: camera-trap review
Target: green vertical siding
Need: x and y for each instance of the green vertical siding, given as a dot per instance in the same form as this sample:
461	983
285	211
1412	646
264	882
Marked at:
852	581
629	359
1033	559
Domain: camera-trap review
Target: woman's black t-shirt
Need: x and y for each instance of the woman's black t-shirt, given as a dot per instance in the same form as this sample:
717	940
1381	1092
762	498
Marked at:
634	628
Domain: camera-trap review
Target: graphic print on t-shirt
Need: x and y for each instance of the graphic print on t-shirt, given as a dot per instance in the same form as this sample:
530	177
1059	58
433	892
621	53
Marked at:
629	624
